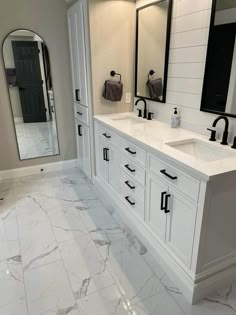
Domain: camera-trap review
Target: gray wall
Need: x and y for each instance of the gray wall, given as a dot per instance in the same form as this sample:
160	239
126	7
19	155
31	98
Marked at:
48	19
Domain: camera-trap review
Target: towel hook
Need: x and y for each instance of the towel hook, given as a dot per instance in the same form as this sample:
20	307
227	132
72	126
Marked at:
113	73
151	72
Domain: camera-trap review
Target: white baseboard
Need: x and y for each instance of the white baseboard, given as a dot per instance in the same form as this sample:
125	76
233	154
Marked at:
37	169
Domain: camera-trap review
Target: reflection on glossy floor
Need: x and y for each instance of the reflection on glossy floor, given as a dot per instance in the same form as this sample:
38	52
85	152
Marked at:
62	253
37	139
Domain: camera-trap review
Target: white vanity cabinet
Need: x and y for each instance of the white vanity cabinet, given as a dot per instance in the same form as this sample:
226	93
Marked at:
184	216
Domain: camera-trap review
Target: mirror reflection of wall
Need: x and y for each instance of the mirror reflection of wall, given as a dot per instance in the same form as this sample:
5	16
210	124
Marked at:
219	91
151	50
28	76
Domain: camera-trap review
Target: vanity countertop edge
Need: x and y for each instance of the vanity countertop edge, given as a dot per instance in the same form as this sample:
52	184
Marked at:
202	170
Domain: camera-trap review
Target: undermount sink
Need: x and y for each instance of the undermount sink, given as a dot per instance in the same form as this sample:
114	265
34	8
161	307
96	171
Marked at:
200	150
129	120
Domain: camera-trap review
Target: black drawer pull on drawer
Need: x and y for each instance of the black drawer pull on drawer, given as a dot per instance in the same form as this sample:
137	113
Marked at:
162	200
105	135
128	184
131	152
168	175
79	113
129	169
130	202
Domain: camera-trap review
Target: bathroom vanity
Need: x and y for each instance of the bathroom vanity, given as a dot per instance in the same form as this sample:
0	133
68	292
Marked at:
177	191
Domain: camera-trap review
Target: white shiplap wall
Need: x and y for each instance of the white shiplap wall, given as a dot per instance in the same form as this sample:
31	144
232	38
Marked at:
188	46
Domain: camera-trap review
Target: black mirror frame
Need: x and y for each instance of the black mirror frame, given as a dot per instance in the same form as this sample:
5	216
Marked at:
167	48
18	149
202	109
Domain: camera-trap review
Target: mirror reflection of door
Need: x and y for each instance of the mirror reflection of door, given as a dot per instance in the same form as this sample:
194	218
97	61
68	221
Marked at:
28	75
29	80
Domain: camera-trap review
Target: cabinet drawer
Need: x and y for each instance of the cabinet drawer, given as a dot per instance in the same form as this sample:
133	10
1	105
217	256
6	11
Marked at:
134	189
109	135
81	113
135	205
187	184
136	172
133	152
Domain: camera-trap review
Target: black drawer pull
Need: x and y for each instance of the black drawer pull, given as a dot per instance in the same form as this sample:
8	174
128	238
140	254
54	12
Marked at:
77	98
105	135
130	202
131	152
79	130
128	184
130	169
162	200
79	113
166	203
168	175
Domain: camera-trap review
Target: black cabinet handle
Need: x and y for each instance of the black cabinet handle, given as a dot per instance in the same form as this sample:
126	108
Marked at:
105	135
162	200
104	154
79	113
131	152
77	98
128	184
130	169
168	175
107	155
130	202
79	130
166	203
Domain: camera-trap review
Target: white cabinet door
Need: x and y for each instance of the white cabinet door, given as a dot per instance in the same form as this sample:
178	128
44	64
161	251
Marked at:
77	46
102	163
71	17
156	217
113	166
83	148
180	226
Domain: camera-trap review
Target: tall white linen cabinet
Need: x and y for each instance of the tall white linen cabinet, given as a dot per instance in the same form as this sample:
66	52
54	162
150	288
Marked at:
78	26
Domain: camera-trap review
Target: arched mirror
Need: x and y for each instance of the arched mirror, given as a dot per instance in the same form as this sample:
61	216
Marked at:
28	75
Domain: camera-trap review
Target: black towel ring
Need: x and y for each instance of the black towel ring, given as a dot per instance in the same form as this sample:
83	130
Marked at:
113	73
151	72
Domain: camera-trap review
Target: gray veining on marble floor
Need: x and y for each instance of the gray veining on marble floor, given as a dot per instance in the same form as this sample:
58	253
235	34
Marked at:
62	252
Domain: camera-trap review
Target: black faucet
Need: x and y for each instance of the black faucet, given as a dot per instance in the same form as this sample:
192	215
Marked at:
145	106
225	134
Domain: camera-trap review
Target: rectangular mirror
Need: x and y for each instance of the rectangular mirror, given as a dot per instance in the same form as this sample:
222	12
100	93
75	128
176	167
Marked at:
152	50
28	75
219	87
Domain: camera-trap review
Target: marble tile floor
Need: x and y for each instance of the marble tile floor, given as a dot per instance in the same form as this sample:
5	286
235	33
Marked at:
62	252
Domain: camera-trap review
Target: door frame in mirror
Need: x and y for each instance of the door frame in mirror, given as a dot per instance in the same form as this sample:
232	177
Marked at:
10	103
202	109
167	49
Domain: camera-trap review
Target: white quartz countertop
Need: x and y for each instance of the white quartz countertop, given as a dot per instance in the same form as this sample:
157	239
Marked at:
154	136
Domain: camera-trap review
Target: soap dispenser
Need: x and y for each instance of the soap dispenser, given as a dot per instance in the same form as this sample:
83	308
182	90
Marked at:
175	118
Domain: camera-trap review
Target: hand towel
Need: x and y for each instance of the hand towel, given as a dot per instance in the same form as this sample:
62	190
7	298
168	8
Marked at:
155	88
113	90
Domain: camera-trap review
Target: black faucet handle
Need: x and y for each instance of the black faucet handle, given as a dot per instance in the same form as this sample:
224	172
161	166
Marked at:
213	134
150	116
139	112
234	144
